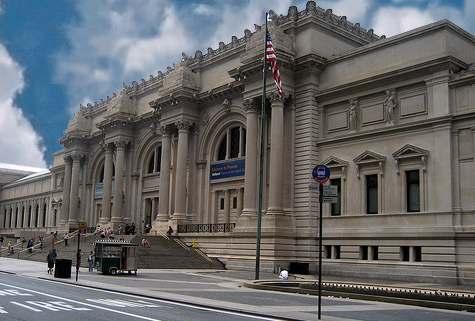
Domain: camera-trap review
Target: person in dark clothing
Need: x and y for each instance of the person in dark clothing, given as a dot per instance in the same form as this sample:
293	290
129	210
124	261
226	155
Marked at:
170	231
132	228
30	245
51	260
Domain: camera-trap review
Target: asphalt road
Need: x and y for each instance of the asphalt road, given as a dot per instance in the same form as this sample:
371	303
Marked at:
25	298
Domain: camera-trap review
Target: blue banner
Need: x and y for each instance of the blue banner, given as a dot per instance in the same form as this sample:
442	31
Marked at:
226	169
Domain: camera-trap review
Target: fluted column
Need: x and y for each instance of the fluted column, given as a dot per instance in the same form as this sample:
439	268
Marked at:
164	193
276	156
66	190
107	187
74	195
119	181
180	181
251	161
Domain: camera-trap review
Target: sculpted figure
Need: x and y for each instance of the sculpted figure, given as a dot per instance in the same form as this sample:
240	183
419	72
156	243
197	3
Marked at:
389	105
353	114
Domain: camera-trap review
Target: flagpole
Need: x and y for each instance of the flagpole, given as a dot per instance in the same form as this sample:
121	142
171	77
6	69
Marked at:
261	157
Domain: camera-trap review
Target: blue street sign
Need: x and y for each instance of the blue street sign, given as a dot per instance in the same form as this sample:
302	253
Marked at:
321	173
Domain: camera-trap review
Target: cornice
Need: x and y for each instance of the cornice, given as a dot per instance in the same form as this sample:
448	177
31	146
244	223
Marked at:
442	24
392	75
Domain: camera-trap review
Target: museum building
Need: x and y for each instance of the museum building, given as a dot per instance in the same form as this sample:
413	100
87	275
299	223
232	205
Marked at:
393	118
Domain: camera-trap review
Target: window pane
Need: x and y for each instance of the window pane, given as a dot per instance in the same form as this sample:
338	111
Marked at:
372	194
222	149
336	207
243	142
221	204
234	202
412	191
234	142
151	163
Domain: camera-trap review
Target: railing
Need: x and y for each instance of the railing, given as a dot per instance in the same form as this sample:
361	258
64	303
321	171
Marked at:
206	228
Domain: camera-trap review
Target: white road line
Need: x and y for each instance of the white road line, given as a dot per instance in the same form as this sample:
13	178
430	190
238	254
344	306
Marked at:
79	302
188	305
26	307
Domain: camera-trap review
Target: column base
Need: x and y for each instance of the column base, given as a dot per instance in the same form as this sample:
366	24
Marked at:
247	222
278	222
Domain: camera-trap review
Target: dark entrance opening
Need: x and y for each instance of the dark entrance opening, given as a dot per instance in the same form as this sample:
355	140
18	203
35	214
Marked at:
299	268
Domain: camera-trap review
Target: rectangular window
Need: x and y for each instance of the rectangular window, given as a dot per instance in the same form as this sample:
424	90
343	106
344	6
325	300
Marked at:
372	194
234	202
417	254
363	252
328	251
404	253
336	207
336	251
412	191
374	252
221	203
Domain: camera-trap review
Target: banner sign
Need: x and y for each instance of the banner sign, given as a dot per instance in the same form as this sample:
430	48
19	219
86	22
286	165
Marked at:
226	169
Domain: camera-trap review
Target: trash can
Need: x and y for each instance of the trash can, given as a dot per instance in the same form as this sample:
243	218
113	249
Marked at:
62	268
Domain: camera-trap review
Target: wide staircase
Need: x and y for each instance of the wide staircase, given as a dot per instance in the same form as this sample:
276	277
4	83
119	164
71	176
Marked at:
163	253
170	253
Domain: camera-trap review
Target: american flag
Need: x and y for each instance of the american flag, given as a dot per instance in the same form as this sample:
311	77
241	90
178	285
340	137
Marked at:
272	59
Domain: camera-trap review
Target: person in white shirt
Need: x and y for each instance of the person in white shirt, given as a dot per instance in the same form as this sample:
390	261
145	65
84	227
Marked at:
284	275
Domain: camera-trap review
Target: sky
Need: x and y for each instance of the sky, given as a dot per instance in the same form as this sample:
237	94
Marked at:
56	54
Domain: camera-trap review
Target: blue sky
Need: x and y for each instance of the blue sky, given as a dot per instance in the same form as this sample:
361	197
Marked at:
56	54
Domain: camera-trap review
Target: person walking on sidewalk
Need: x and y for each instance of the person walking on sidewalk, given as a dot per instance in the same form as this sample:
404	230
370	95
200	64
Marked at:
90	262
50	259
65	239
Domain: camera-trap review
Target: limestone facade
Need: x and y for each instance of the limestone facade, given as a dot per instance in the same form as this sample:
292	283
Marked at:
394	119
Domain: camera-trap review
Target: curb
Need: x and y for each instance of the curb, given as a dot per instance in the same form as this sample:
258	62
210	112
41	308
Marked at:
250	313
7	272
368	297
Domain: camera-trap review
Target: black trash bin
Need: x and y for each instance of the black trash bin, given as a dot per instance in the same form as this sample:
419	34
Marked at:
62	268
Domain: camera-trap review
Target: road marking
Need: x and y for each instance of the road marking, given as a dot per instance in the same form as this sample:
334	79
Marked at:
83	303
188	305
11	292
124	303
2	310
25	306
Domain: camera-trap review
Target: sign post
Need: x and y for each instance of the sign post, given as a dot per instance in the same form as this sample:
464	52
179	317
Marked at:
321	174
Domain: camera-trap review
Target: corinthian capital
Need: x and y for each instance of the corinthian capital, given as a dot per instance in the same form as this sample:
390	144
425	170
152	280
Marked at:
275	98
183	125
250	105
121	144
77	156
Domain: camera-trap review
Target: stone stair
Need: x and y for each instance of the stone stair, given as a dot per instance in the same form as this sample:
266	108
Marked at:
168	254
164	253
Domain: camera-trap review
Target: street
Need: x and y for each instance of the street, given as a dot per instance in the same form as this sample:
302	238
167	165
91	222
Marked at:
25	298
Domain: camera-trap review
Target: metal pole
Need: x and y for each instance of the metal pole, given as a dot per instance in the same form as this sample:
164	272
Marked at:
261	158
78	254
320	253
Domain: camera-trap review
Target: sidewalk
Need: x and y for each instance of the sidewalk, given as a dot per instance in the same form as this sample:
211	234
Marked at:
223	289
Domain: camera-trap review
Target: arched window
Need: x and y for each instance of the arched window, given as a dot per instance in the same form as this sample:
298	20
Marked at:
44	215
233	144
100	178
154	160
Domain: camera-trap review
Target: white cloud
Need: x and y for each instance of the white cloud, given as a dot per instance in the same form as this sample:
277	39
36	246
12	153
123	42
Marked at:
115	41
391	20
19	143
203	9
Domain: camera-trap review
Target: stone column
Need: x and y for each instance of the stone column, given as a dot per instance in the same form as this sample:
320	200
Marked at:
227	207
239	203
251	161
119	182
9	217
40	212
66	190
164	192
276	157
412	254
107	187
180	179
74	196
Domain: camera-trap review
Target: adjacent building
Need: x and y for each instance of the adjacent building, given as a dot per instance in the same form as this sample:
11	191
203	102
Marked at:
394	119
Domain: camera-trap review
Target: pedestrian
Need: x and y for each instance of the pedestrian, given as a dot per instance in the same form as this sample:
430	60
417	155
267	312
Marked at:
132	228
1	241
51	258
170	231
145	242
23	241
90	261
30	245
10	247
41	243
284	275
65	239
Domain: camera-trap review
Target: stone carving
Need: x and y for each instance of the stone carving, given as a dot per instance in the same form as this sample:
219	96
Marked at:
226	105
389	105
250	106
183	125
353	114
